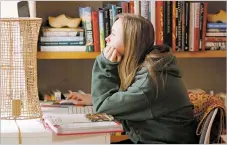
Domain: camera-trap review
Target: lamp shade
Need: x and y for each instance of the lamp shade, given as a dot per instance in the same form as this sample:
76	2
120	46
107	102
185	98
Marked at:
18	68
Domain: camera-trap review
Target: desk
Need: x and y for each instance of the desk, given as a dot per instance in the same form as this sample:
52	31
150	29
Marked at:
76	110
33	132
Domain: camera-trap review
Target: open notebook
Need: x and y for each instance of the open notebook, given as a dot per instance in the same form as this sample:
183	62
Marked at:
69	124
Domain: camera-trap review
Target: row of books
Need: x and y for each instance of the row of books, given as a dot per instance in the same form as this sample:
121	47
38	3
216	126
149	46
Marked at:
98	23
181	24
185	26
184	29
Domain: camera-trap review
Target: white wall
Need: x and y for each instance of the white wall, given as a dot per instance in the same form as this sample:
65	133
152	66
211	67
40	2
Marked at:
8	9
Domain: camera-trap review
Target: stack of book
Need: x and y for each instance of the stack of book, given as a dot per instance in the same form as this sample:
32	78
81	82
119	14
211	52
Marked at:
62	39
216	36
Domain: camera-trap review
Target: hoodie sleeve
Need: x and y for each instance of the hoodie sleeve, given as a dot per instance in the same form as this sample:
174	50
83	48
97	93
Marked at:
131	104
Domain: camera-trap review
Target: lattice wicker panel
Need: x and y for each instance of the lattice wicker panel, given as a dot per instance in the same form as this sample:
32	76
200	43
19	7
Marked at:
18	68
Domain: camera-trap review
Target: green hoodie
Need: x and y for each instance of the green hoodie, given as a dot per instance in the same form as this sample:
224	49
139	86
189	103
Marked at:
147	118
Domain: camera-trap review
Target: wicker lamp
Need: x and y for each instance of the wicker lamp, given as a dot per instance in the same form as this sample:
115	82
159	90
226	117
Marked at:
18	68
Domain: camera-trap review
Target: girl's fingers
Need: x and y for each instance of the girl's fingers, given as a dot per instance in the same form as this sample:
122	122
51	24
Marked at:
106	49
113	56
110	52
118	58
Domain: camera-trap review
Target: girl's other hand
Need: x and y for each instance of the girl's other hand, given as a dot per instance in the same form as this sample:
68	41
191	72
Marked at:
80	99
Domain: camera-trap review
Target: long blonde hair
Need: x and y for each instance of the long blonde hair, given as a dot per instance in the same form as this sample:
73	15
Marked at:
139	49
138	37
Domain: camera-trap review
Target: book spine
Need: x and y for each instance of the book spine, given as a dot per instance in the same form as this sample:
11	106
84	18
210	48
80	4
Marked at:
216	30
114	12
216	34
119	10
196	26
85	14
183	15
62	48
215	39
111	17
50	29
174	26
89	32
47	39
179	26
152	14
176	23
145	9
131	7
62	43
95	27
187	21
63	34
204	25
159	22
125	7
136	7
107	21
216	25
191	27
169	24
165	23
101	29
201	25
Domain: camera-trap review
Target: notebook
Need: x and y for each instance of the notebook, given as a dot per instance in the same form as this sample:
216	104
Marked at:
70	124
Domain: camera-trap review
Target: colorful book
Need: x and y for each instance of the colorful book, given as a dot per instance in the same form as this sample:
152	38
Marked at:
221	34
216	25
59	38
85	15
61	43
101	29
95	27
51	29
70	48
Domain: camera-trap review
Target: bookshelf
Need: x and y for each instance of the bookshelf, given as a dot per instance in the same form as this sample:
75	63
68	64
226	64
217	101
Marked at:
65	65
93	55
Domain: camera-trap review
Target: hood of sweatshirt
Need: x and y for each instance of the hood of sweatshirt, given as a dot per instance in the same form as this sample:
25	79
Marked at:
167	64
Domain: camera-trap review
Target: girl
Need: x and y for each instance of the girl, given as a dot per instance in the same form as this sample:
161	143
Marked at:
141	86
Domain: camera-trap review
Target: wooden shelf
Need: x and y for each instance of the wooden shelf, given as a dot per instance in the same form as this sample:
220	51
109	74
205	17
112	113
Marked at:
202	54
67	55
93	55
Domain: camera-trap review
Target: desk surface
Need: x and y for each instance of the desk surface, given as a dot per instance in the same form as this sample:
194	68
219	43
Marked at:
28	128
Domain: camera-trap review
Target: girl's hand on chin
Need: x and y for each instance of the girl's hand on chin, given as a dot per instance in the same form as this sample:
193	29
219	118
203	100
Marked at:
112	54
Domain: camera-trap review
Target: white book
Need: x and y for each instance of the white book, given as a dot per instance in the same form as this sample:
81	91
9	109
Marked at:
145	9
69	124
53	39
136	7
221	34
50	29
63	33
152	13
63	48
